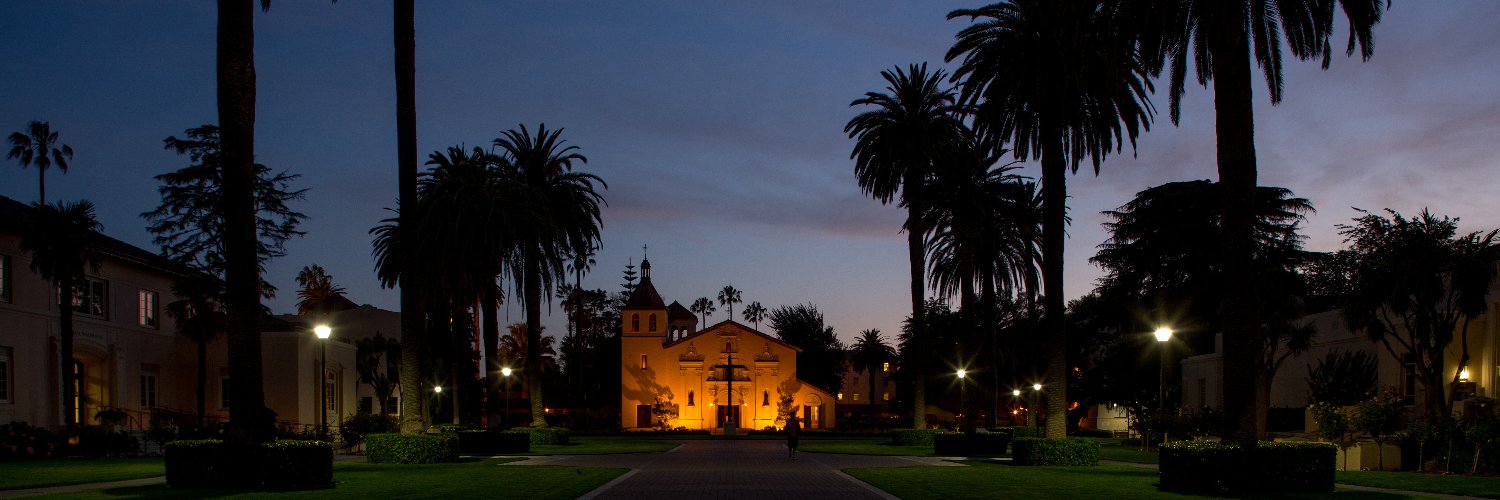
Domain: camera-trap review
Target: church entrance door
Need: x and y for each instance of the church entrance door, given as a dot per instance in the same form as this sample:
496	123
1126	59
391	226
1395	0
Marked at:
643	416
728	413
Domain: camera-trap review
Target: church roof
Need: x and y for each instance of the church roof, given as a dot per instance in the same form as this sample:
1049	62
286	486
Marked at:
677	311
727	324
645	296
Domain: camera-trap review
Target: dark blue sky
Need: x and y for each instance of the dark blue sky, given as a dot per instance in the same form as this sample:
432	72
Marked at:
718	127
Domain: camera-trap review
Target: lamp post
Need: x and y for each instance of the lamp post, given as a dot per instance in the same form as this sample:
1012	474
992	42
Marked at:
1163	335
963	398
1015	395
323	332
505	372
1036	401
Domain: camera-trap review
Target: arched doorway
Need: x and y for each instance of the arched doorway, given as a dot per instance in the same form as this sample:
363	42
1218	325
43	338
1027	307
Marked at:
812	412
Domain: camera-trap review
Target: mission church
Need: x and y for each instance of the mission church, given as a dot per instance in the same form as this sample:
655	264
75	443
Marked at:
723	378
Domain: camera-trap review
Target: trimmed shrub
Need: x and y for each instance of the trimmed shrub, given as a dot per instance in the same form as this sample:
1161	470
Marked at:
95	441
957	443
281	465
912	437
546	435
492	442
411	448
19	440
1054	451
1092	433
1022	431
1210	467
353	430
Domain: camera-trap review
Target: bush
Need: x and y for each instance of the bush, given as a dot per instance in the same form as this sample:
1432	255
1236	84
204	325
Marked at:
411	448
1092	433
1209	467
984	443
1023	431
912	437
282	464
1054	451
353	430
546	435
95	441
492	442
19	440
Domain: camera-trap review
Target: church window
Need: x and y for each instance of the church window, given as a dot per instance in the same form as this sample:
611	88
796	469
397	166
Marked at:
635	322
729	346
690	398
643	361
885	367
765	398
652	322
841	396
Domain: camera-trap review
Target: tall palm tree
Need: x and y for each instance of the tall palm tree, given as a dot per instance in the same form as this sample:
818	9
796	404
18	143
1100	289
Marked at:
704	307
1218	37
59	237
579	265
200	317
893	154
38	147
318	293
567	222
870	354
413	326
754	313
235	69
1059	81
728	297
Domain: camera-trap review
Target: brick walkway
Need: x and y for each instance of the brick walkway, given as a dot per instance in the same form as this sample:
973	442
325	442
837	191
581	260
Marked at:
735	469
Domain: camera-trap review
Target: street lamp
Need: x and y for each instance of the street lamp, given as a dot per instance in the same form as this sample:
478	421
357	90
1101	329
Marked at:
1163	335
505	372
1015	395
323	332
963	398
1036	403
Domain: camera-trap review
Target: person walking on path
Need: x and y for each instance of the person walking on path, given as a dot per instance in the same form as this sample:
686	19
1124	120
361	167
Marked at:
793	428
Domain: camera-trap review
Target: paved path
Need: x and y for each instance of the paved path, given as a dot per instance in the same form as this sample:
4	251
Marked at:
735	469
74	488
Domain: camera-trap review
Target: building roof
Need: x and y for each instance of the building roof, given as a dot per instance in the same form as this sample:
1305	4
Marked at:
728	324
677	311
13	220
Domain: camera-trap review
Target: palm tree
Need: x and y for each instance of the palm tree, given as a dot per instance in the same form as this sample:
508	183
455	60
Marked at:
235	68
1218	37
413	326
703	306
567	221
754	313
200	317
372	361
1059	81
728	297
38	147
870	354
59	237
893	152
580	264
318	294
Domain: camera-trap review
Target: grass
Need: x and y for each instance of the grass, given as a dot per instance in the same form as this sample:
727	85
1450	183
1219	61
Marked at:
472	479
991	480
1111	449
862	447
64	471
602	445
1487	487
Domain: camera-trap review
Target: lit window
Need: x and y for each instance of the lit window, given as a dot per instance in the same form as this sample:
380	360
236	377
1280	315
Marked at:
148	390
91	297
885	367
885	396
841	396
5	353
148	309
5	278
856	396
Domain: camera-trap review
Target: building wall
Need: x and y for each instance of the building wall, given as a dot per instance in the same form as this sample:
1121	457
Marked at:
854	389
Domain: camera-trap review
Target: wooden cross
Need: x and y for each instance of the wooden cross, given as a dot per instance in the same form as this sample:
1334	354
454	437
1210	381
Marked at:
729	368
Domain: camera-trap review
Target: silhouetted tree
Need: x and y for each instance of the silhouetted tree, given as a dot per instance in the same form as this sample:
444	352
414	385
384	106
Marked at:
38	146
60	238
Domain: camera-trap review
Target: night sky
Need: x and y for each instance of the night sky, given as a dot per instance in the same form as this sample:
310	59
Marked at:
718	126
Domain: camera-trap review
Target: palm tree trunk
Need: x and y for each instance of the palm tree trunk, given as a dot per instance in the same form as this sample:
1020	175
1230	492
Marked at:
65	351
533	292
413	412
916	254
1054	212
249	419
202	386
491	312
1235	122
967	305
455	352
42	184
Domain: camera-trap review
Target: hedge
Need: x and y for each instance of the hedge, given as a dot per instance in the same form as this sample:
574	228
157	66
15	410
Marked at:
912	437
411	448
1023	431
957	443
280	465
492	442
1092	433
546	435
1055	451
1211	467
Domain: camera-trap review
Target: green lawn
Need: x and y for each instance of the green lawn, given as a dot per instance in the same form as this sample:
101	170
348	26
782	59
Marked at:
1488	487
862	447
57	472
991	480
602	445
474	479
1111	449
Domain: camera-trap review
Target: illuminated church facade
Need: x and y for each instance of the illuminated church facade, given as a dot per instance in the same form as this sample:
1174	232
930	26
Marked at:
727	377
